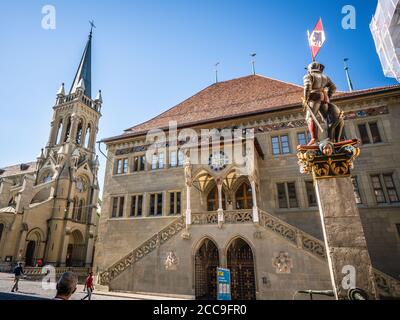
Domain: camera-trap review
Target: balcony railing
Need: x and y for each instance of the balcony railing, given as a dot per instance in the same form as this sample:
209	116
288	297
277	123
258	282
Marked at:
230	217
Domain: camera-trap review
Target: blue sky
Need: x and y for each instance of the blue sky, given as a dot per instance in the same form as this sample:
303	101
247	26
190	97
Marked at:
150	55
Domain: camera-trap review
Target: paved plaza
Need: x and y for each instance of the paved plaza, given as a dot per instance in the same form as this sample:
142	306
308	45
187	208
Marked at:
33	290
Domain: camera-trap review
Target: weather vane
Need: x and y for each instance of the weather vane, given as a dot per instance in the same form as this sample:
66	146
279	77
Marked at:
253	62
216	72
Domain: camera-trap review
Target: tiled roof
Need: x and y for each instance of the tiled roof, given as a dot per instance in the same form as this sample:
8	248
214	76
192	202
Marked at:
22	168
234	98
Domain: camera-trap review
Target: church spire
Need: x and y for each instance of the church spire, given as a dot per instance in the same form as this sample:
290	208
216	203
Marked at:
84	72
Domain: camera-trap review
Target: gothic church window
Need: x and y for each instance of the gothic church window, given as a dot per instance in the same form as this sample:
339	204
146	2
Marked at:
67	130
79	132
87	136
58	137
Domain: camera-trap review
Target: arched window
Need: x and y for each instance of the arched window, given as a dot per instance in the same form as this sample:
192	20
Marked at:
58	137
212	200
67	130
87	136
79	132
244	198
80	210
75	209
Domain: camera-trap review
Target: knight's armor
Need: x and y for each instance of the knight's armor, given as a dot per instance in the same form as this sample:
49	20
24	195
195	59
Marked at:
318	90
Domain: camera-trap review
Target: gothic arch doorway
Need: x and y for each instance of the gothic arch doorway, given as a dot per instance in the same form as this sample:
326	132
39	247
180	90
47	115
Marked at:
241	263
30	254
75	250
206	264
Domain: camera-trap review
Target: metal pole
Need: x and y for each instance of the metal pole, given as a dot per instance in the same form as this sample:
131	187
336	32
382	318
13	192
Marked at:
346	69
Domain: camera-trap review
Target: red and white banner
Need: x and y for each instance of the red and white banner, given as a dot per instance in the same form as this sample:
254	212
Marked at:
317	38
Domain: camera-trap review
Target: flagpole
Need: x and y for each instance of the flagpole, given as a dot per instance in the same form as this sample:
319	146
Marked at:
308	41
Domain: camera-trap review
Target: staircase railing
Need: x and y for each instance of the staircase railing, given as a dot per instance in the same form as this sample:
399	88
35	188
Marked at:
387	285
144	249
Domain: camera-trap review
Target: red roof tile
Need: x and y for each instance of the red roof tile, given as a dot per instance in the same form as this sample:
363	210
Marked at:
230	99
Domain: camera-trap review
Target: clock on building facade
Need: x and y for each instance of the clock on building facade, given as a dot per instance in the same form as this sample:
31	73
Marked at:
218	161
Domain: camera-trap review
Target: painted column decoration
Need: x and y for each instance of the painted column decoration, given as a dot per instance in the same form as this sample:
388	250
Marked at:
188	182
348	258
220	207
254	196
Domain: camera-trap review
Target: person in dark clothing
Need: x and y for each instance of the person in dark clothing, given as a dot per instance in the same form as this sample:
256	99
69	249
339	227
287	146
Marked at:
19	273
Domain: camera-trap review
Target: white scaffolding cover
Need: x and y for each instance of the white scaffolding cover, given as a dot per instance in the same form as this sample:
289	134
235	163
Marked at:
385	28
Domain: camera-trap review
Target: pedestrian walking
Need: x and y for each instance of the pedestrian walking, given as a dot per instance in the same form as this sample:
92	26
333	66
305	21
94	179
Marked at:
88	286
66	286
19	273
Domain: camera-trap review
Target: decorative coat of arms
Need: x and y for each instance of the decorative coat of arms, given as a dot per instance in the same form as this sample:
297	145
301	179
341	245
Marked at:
171	262
282	262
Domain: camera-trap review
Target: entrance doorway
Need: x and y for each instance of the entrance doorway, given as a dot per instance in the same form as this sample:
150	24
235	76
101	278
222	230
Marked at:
241	264
30	254
206	264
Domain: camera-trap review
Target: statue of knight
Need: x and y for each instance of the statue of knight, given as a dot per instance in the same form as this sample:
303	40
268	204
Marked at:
318	90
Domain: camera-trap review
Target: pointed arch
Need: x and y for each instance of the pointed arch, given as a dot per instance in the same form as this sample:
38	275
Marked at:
240	260
79	132
206	262
88	136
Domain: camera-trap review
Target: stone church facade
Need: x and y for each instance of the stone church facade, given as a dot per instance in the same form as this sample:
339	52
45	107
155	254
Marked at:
167	222
49	207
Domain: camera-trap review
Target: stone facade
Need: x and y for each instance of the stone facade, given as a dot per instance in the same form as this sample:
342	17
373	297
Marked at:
49	208
263	215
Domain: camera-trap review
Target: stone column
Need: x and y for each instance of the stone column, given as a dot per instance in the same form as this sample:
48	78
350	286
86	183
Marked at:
220	207
254	197
188	183
348	258
188	206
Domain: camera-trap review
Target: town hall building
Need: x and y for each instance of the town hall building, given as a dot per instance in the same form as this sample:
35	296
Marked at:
168	222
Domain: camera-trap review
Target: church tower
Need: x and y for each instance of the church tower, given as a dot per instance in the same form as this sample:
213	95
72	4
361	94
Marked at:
70	162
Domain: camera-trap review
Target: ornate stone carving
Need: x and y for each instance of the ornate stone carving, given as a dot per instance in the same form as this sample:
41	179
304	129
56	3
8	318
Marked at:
144	249
236	216
171	262
282	262
328	159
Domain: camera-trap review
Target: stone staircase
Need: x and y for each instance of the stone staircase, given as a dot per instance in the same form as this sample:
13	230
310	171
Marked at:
144	249
387	285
